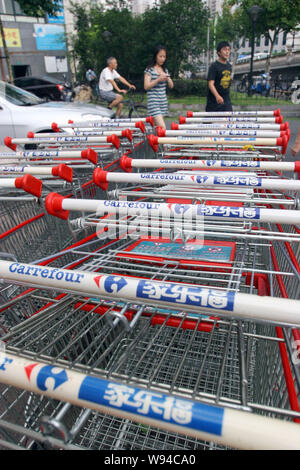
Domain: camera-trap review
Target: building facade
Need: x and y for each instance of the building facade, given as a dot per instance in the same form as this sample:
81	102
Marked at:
139	6
36	46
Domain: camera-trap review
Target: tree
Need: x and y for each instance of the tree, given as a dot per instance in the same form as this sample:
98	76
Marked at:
31	8
91	46
277	16
38	8
180	25
229	27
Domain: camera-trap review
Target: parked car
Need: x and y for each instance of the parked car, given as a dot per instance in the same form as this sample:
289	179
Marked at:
48	88
21	112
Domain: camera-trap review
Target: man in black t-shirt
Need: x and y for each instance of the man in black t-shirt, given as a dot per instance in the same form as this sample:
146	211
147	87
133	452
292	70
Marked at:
219	81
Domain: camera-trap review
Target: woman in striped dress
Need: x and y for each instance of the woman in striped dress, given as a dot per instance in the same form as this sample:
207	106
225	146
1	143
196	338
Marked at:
156	80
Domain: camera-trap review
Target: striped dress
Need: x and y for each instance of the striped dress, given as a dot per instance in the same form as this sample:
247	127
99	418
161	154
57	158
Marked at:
157	102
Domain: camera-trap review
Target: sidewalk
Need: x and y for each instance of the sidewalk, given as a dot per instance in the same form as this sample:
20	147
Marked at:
288	110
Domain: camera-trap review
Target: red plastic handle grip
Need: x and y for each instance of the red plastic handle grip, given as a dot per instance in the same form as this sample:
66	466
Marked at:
160	132
91	155
64	172
114	139
153	142
126	163
150	120
54	127
53	205
127	133
100	178
30	184
8	143
140	125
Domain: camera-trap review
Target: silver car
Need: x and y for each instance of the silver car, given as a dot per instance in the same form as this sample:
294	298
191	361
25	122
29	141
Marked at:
21	112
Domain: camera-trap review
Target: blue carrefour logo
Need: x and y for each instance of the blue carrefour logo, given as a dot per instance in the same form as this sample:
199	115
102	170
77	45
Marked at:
46	373
180	208
201	179
114	284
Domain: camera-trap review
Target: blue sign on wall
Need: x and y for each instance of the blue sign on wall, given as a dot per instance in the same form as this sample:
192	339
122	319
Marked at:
50	37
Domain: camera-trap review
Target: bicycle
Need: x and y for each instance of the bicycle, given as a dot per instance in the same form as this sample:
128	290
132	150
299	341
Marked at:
136	109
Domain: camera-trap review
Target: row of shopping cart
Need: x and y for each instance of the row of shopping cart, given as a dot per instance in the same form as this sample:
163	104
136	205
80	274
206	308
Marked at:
150	285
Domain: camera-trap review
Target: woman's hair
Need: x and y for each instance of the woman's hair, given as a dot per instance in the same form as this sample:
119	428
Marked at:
156	51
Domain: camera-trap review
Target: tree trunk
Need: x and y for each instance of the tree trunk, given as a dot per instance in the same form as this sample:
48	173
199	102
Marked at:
6	54
268	61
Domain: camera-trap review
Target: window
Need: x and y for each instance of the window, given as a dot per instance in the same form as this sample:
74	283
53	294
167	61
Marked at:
6	7
258	42
284	38
266	41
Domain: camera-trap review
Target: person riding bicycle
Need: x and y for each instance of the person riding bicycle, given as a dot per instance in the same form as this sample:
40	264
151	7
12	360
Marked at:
107	85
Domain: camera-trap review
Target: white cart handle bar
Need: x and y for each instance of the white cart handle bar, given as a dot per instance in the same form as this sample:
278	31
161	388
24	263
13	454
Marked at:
275	113
230	125
225	426
28	183
59	206
282	142
102	179
222	133
86	154
127	163
191	298
112	140
275	120
61	171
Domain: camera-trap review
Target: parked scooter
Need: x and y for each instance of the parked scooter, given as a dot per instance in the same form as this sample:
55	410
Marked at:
261	84
295	87
68	93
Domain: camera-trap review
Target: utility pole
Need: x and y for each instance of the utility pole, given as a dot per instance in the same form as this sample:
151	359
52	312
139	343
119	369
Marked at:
6	54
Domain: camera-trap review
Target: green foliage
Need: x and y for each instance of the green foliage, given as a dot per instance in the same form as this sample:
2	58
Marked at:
38	7
229	25
276	16
189	87
180	25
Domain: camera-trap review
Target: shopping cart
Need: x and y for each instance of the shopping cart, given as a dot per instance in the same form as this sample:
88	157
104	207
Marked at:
124	345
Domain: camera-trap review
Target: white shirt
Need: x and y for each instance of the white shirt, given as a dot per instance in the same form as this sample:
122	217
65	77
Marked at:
106	75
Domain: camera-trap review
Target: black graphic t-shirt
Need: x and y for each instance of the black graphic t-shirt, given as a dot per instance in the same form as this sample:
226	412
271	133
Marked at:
221	74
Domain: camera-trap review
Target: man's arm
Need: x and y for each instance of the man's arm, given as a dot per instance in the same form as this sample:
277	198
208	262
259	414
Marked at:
114	84
125	82
211	86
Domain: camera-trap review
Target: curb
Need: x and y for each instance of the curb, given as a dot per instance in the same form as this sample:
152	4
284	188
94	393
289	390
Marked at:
292	110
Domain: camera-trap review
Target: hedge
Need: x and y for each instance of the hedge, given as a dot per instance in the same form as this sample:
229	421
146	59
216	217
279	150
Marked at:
185	87
182	87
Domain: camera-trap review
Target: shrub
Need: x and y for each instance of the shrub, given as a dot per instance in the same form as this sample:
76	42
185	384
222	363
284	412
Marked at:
187	87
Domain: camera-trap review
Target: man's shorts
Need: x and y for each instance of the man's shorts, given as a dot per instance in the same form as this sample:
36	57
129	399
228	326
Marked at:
109	96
